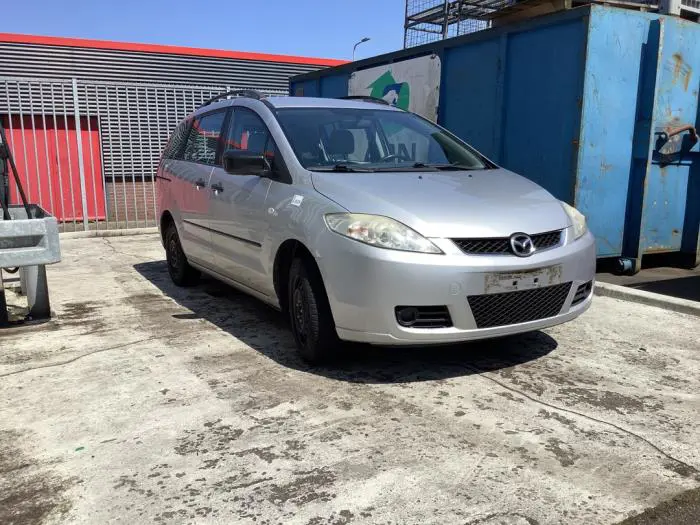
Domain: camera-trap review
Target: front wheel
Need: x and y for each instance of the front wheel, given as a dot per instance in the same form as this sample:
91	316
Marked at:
310	314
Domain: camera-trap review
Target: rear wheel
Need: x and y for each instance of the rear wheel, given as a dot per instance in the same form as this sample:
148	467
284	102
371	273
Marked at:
180	270
310	314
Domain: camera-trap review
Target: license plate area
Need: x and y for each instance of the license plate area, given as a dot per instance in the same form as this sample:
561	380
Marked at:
499	282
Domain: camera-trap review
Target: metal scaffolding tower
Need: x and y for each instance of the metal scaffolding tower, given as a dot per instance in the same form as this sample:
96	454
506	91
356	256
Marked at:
430	20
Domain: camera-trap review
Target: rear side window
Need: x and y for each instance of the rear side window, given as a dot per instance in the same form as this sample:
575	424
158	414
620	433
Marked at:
173	149
203	139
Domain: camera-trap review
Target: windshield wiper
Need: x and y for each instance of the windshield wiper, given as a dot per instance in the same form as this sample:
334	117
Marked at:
342	168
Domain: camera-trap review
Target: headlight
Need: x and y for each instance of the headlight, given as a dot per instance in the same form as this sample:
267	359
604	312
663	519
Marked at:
577	219
379	231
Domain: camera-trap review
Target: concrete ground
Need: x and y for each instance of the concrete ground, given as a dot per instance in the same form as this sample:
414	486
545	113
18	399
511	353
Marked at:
145	403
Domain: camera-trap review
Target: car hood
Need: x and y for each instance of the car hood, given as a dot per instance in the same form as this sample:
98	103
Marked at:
482	203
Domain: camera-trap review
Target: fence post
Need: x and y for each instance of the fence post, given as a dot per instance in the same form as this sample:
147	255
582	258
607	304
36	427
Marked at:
81	163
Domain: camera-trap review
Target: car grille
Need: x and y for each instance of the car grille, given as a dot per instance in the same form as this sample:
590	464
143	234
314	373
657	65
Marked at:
501	245
500	309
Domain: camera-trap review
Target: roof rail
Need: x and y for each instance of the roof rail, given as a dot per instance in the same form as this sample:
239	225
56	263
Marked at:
248	93
366	98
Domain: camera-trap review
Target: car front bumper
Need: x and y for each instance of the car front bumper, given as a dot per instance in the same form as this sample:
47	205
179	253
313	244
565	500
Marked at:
365	284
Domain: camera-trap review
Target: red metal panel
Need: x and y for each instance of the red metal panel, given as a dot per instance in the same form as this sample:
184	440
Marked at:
46	155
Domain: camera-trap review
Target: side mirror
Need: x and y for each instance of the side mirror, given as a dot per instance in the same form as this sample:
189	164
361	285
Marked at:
238	162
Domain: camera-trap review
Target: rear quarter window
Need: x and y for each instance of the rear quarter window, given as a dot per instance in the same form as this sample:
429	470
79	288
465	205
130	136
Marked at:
173	148
203	138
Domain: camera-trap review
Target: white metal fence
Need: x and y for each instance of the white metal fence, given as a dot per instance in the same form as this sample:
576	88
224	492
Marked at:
87	151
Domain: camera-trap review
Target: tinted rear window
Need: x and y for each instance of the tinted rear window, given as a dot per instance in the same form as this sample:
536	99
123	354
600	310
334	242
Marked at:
203	139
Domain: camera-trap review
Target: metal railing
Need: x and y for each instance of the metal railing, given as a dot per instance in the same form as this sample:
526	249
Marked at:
88	151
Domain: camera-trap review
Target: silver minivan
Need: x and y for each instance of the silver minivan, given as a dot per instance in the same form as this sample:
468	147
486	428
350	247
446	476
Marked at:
363	222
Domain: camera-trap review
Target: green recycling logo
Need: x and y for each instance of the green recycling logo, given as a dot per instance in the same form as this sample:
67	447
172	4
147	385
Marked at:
395	93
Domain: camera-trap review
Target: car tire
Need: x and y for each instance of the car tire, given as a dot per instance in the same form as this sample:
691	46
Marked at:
310	314
179	268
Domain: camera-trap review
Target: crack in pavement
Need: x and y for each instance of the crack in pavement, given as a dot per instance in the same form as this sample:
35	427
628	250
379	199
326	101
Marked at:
489	517
484	374
76	358
170	336
100	350
108	243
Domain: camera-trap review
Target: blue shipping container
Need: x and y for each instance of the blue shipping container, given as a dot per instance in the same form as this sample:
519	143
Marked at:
597	104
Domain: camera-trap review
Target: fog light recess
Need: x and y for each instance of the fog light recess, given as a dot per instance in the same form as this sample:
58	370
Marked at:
423	316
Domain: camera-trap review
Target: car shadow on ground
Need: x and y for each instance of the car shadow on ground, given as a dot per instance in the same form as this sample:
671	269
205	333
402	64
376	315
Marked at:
266	330
681	287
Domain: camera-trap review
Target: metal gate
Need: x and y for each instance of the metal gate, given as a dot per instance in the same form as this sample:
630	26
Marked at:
88	151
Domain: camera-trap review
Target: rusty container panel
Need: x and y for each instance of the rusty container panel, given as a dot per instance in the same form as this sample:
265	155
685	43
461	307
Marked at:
669	197
640	106
621	47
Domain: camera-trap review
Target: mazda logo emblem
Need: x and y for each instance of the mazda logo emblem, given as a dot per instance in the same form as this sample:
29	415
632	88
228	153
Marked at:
521	244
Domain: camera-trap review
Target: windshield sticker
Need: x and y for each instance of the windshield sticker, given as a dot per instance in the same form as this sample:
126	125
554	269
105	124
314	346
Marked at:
297	200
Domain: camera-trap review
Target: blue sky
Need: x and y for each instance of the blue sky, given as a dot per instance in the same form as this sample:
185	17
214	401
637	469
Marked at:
321	28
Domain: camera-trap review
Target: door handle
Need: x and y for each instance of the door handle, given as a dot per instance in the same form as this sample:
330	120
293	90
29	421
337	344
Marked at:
200	183
217	188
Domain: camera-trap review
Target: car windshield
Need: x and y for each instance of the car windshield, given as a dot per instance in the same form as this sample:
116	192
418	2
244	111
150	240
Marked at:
351	139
